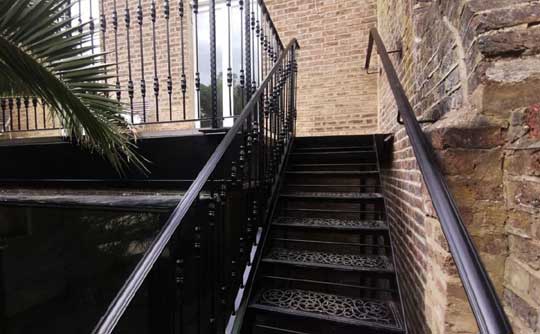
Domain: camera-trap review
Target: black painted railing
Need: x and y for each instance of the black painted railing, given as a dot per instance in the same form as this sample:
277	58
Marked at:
485	304
194	62
210	237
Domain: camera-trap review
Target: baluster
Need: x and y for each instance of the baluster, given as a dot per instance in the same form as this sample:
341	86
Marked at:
195	8
180	280
197	245
91	24
257	41
244	201
229	52
183	71
103	27
3	105
213	65
242	72
254	44
44	112
10	105
153	15
140	18
234	258
34	105
247	49
18	104
131	87
79	6
166	13
26	102
115	28
211	254
223	248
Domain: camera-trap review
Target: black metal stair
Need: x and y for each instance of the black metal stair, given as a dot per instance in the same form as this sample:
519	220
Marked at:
327	266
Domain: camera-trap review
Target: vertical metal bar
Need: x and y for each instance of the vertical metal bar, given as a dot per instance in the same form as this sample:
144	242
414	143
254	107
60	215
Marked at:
242	72
182	48
229	56
166	13
246	49
10	105
153	14
18	105
91	24
140	18
3	105
213	65
116	56
131	88
44	110
26	102
34	105
195	7
103	27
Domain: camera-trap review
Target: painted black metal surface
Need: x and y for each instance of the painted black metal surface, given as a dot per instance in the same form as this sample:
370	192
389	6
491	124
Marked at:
486	306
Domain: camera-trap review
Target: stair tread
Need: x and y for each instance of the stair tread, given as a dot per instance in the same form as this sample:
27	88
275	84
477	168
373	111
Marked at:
332	223
329	260
331	195
330	307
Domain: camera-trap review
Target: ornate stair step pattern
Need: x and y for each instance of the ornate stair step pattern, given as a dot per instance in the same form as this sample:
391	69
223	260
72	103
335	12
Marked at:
330	307
332	195
327	264
329	260
331	223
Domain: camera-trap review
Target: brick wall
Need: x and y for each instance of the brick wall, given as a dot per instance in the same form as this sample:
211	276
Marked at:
335	96
471	65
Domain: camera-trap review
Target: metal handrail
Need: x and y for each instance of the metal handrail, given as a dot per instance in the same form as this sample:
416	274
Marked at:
485	304
126	294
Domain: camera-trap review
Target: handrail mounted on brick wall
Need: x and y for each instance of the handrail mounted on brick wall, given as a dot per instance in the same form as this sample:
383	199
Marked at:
485	304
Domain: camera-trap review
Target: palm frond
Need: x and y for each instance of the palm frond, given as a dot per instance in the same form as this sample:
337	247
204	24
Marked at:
43	55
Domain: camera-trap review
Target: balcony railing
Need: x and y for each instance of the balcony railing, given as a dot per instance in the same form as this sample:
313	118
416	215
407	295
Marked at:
185	63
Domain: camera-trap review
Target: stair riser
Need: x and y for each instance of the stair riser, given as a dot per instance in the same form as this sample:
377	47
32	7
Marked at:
372	279
332	204
333	167
322	234
337	248
366	215
345	157
333	141
331	188
312	326
353	290
328	179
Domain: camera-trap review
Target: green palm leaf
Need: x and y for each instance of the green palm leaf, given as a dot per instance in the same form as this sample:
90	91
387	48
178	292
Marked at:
42	55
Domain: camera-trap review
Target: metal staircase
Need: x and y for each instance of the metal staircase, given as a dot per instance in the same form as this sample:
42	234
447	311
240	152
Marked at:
328	266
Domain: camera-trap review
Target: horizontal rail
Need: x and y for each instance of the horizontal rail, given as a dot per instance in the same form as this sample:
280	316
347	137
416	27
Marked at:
485	304
118	306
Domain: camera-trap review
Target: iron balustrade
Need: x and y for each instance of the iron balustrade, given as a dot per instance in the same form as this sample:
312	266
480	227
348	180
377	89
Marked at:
485	304
213	248
194	62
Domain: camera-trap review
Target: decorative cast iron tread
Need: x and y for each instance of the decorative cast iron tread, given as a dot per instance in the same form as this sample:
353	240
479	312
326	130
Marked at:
336	308
331	260
331	195
345	224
